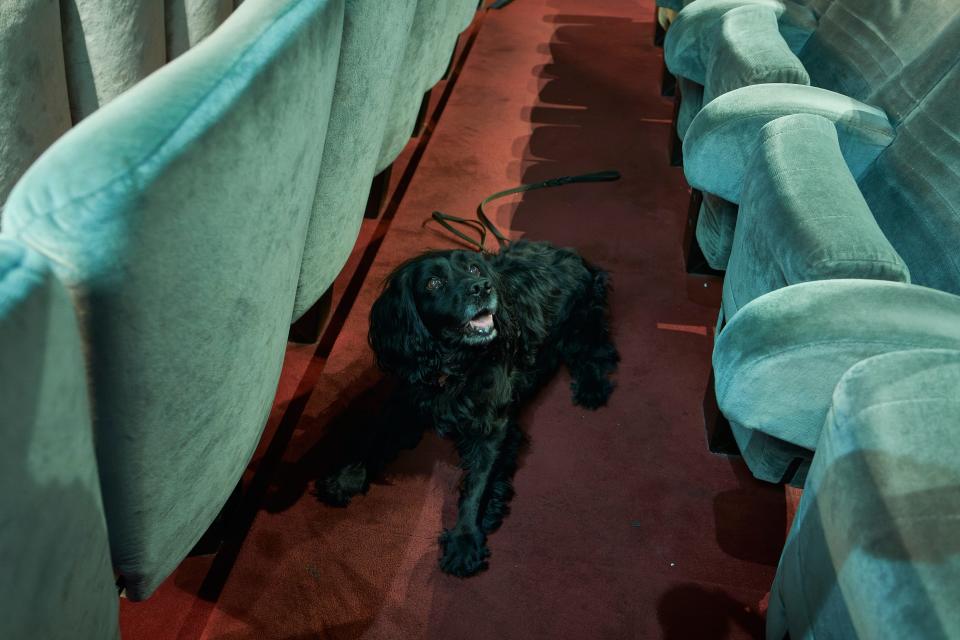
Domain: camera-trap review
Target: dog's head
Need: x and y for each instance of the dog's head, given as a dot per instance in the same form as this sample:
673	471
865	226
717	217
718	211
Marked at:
439	302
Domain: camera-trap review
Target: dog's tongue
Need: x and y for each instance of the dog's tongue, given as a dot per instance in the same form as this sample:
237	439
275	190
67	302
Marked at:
482	321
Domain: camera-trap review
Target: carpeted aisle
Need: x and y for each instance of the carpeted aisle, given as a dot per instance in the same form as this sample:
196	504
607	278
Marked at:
624	525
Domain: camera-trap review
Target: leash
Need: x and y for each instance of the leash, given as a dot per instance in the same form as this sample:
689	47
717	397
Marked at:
483	222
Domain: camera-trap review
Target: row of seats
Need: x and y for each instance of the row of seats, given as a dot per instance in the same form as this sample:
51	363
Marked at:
153	258
825	138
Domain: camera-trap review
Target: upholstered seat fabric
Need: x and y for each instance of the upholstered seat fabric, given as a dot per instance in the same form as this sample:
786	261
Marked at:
57	580
109	46
33	110
177	215
873	552
779	358
802	217
374	39
190	21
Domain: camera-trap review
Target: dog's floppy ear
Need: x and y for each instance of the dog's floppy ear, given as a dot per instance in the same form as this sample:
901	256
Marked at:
400	341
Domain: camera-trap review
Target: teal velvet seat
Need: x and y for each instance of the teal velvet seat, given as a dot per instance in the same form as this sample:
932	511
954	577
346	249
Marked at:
777	361
375	36
908	129
176	215
190	21
873	550
57	580
854	48
433	36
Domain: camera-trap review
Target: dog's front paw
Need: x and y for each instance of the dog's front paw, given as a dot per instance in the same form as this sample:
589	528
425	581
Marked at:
463	554
591	393
337	489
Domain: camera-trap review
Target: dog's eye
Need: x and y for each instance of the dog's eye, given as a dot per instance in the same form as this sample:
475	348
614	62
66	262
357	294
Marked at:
434	283
474	269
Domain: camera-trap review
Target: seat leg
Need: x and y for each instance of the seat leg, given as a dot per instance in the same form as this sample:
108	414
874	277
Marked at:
421	115
676	145
719	435
658	32
213	537
668	83
307	329
453	57
377	198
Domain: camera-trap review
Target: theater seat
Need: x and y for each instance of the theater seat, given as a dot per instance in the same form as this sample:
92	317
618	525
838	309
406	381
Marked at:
906	129
57	581
873	550
190	21
176	216
375	36
34	110
436	25
780	357
109	46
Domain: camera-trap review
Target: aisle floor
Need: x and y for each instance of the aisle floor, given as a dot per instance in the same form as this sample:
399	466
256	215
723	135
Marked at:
624	525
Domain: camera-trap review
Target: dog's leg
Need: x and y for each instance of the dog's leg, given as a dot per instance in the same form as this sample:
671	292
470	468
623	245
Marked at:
464	548
496	501
587	349
369	455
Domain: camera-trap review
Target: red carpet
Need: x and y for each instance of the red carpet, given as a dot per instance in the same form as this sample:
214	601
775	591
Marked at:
624	525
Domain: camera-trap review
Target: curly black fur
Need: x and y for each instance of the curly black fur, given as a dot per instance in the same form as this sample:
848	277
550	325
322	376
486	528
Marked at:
470	338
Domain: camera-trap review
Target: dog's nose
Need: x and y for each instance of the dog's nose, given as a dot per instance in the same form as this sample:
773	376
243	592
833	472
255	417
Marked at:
482	285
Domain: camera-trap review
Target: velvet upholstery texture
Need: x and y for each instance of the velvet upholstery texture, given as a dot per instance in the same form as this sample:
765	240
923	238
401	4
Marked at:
33	106
176	215
748	50
374	40
913	188
57	581
418	73
873	552
190	21
690	40
109	46
802	217
777	361
724	136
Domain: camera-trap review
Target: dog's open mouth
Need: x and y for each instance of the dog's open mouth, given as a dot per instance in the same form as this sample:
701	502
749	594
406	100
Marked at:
480	327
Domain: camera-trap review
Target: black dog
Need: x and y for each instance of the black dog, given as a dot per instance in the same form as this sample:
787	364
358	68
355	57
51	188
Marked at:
470	337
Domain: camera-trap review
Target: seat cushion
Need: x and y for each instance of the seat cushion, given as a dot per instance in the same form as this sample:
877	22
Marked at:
57	581
872	552
779	358
177	215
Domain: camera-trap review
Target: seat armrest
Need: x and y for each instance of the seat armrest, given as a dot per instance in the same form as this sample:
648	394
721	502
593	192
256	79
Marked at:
802	217
779	359
723	137
748	49
690	39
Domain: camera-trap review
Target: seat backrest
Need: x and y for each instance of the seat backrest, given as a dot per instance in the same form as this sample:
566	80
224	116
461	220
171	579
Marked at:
109	45
913	187
57	580
419	63
33	90
859	44
176	215
190	21
374	41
